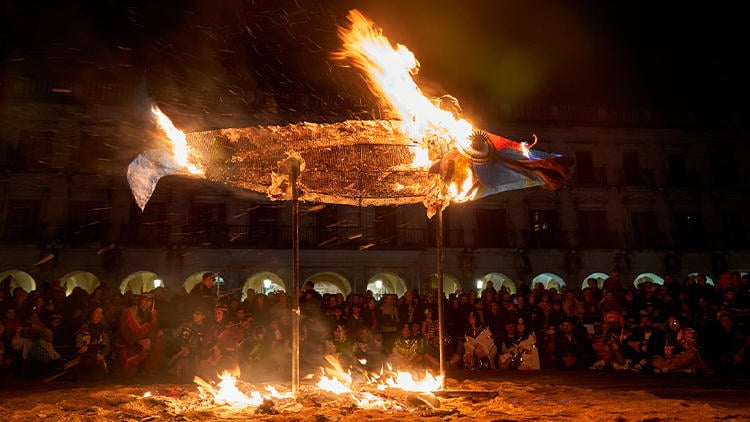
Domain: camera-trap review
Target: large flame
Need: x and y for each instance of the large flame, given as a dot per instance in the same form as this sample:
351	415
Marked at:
334	379
390	72
180	149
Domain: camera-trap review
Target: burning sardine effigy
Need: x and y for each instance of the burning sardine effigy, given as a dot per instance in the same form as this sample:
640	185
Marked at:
428	154
362	162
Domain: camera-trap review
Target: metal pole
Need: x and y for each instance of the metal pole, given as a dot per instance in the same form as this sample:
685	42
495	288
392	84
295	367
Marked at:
295	280
441	316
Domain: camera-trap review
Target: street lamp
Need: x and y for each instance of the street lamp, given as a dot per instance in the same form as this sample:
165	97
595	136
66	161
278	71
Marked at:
266	285
480	284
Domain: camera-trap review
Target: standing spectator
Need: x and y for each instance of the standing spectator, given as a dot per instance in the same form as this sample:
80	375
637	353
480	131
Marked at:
203	294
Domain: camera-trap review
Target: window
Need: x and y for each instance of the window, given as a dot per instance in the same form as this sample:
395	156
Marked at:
689	230
326	221
22	221
724	169
584	171
34	149
632	168
734	230
94	150
263	225
385	225
207	224
148	227
492	228
593	229
86	222
677	169
543	229
644	229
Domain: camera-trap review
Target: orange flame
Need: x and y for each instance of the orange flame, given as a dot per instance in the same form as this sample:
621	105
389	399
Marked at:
180	147
390	72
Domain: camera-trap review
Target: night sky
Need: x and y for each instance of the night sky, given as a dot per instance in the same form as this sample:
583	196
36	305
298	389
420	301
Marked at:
656	54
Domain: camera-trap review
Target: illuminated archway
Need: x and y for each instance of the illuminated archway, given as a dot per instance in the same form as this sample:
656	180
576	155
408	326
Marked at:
193	279
500	280
140	282
263	282
330	283
83	279
450	284
386	283
599	277
646	277
18	278
549	281
709	280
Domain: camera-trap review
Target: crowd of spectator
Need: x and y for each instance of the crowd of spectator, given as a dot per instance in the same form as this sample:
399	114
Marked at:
687	326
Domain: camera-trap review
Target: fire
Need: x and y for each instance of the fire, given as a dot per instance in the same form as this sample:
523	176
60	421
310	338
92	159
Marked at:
406	381
333	379
390	72
339	381
179	141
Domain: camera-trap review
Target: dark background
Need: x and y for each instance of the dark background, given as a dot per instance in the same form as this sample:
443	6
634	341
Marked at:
657	54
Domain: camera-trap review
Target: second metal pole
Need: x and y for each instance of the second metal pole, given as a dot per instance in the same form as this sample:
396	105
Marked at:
440	296
295	279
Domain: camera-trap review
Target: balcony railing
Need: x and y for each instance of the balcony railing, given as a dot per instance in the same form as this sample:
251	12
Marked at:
597	240
546	239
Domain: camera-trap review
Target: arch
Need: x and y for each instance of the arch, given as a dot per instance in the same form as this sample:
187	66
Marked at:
500	280
645	277
330	282
193	279
258	283
138	282
709	280
548	280
599	277
386	282
450	283
83	279
18	278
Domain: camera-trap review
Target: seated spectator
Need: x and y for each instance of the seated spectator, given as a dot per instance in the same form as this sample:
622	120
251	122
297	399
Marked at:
405	353
368	350
681	351
479	346
93	347
256	353
572	347
723	344
193	347
609	344
8	358
644	343
140	345
38	353
341	346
